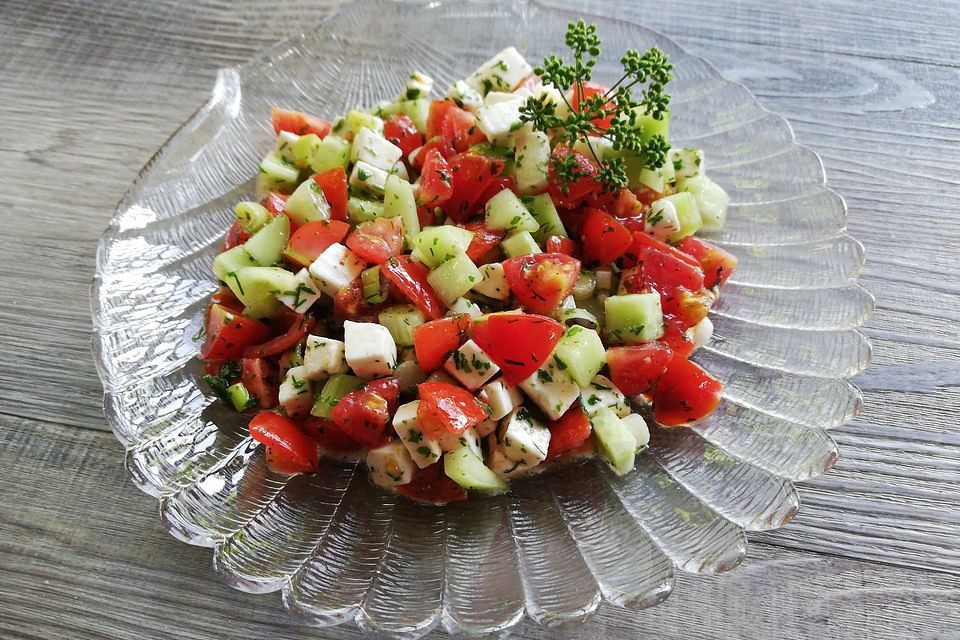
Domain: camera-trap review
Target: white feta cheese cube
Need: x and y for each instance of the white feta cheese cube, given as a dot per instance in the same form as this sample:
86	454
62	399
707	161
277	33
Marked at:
469	438
500	120
372	148
504	467
419	85
336	268
523	438
369	349
471	366
462	306
296	392
700	333
687	162
661	220
284	146
494	283
465	96
390	465
496	97
502	398
552	389
399	170
301	297
502	72
601	393
486	427
323	357
423	449
532	153
636	425
369	178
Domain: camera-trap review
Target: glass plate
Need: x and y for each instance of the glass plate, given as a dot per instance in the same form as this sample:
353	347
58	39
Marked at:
786	341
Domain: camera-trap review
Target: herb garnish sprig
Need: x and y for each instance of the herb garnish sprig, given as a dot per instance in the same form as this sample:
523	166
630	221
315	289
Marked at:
649	72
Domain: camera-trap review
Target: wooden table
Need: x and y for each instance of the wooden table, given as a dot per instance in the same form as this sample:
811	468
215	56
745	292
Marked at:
89	90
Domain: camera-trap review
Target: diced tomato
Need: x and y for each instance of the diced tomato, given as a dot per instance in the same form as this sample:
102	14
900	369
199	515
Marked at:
260	377
229	334
225	298
604	238
387	388
348	304
541	281
298	122
484	240
274	203
411	278
643	241
431	484
460	129
310	240
436	181
437	116
559	244
446	408
426	217
685	394
591	89
289	450
662	270
327	435
636	369
687	306
675	337
295	334
363	415
716	263
628	210
519	343
235	236
400	130
581	188
472	174
434	341
435	143
646	196
569	432
376	240
333	183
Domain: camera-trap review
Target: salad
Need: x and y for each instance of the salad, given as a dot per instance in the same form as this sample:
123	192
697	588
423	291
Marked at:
466	289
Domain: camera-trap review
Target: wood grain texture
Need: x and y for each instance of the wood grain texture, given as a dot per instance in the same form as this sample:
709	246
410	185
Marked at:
91	90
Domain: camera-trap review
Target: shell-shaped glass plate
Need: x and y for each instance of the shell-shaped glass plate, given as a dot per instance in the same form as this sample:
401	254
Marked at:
340	550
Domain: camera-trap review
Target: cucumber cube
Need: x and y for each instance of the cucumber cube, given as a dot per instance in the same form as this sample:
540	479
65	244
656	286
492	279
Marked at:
542	209
307	203
435	245
400	321
633	318
712	201
454	278
417	110
505	212
336	387
688	213
251	215
520	244
254	284
266	245
581	353
303	148
231	261
239	397
351	124
362	210
532	158
616	442
464	467
399	202
277	174
329	153
650	126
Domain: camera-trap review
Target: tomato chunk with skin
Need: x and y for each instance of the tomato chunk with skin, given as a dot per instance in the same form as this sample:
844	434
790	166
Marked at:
716	263
349	304
584	185
333	183
686	306
483	242
472	174
636	369
297	332
569	432
363	415
675	336
261	378
541	281
387	388
289	450
310	240
298	122
377	240
519	343
436	181
559	244
400	130
604	238
411	278
685	394
235	236
642	242
590	89
431	484
229	334
434	341
327	435
663	272
446	408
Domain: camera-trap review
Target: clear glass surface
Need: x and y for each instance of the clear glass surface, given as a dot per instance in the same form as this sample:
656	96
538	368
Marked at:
786	342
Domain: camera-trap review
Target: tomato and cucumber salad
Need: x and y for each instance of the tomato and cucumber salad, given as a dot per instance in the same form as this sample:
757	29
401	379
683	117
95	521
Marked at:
464	289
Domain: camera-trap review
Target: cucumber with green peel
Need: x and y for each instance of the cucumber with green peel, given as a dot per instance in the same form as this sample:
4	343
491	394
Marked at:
417	109
255	284
372	289
399	202
435	245
520	244
582	354
454	278
330	153
712	201
650	126
303	149
363	210
307	203
239	397
231	261
505	212
542	209
688	213
633	318
615	441
251	216
334	389
262	308
267	245
349	125
277	174
464	467
400	321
